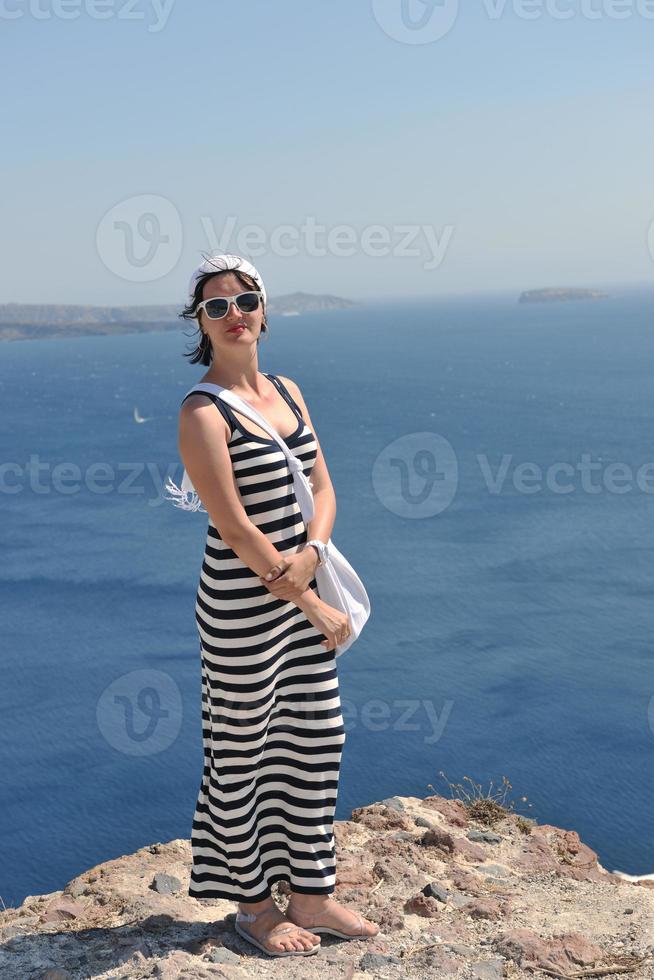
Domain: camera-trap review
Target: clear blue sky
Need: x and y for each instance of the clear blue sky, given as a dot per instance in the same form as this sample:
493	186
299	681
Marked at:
525	146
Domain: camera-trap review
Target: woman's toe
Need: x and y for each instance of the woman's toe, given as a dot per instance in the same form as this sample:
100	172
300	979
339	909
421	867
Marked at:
369	928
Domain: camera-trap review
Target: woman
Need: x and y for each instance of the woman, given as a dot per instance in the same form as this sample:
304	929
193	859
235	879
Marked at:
272	724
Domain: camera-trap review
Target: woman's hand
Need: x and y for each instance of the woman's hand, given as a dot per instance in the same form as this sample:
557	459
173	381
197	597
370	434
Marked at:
292	575
332	623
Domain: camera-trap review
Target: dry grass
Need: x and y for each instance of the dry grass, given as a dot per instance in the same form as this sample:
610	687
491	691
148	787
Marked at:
489	806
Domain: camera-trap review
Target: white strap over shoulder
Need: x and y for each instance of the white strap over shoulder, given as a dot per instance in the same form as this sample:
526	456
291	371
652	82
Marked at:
187	498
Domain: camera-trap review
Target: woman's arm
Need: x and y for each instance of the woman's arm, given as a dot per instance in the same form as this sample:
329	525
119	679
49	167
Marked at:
322	525
202	440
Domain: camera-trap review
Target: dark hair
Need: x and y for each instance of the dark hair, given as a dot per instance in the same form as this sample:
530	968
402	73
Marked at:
203	352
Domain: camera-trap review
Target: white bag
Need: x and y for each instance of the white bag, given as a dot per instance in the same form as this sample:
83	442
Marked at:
338	584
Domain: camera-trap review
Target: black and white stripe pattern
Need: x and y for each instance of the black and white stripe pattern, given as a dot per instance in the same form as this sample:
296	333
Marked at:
272	724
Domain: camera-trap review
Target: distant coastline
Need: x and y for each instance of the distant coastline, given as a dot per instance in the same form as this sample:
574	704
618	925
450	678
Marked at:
560	295
20	321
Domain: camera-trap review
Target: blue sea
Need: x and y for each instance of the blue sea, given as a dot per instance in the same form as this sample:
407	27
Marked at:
494	470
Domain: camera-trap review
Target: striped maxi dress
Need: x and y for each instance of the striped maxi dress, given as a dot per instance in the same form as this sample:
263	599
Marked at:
272	725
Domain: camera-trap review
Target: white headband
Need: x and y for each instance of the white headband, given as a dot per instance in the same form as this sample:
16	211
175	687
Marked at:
217	262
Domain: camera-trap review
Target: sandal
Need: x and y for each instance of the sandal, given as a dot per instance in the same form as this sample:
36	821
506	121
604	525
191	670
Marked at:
274	932
312	922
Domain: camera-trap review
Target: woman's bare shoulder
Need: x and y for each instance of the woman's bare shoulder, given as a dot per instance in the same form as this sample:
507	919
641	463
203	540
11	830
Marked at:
199	411
291	385
198	399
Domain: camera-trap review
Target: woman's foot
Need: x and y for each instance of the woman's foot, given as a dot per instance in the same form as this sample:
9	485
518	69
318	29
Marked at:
324	915
274	932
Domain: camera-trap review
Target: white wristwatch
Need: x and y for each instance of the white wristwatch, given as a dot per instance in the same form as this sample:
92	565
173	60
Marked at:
321	548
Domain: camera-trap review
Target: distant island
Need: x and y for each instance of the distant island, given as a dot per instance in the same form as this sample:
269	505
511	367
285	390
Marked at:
307	303
19	321
558	295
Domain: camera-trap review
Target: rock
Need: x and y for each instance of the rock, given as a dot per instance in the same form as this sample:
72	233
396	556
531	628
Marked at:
483	837
439	839
56	974
494	870
337	968
173	965
552	849
157	923
394	803
459	901
77	887
483	908
390	869
62	910
381	818
200	947
565	952
488	969
350	873
462	949
376	961
390	920
439	963
453	810
422	905
165	884
434	890
135	953
579	861
222	955
466	849
534	854
467	882
26	919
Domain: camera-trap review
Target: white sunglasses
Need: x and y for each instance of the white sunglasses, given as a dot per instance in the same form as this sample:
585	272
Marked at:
218	307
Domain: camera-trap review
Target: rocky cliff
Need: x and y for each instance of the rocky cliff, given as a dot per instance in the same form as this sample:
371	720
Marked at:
456	891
